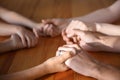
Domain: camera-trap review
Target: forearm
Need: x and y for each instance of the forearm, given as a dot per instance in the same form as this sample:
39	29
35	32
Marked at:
30	74
110	43
107	72
15	18
7	29
5	46
108	29
105	15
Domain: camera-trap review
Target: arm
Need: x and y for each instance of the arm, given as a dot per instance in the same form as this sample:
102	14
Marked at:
108	29
91	67
29	74
105	15
27	37
7	29
105	72
52	65
83	63
91	41
15	18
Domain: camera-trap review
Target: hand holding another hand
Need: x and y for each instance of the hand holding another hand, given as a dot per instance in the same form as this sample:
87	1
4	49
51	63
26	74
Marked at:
81	62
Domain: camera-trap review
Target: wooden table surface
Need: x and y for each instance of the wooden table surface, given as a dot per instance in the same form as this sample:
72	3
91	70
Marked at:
38	9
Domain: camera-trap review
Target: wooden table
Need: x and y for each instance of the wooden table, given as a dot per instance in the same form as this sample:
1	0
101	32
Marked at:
37	10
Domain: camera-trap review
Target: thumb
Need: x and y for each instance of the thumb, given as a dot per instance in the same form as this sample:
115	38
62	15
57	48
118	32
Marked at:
79	32
66	55
64	36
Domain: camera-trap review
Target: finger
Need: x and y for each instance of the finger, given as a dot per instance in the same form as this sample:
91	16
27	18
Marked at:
28	41
33	39
64	67
46	21
87	46
70	42
53	30
72	61
67	49
75	39
65	38
60	52
41	32
64	57
23	39
79	32
36	33
45	29
73	45
49	30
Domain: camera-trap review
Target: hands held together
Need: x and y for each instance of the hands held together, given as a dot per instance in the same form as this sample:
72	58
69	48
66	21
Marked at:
80	36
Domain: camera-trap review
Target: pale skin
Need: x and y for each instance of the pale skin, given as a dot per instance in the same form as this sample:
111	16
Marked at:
15	18
20	38
13	43
106	70
89	37
16	26
109	15
27	38
52	65
54	26
83	63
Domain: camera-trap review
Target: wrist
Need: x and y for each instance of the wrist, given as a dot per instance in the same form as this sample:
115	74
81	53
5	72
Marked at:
94	70
92	27
15	29
47	69
100	71
98	27
31	25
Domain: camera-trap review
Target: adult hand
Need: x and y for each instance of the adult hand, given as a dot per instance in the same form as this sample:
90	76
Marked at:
54	27
87	40
83	26
27	37
71	48
84	64
38	30
81	62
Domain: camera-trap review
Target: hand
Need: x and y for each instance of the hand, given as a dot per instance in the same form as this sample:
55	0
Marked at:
38	30
54	27
87	40
56	64
27	37
16	42
81	62
84	26
71	48
84	64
